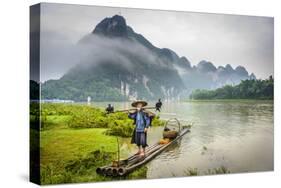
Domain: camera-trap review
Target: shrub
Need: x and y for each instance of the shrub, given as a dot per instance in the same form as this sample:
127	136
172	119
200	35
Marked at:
123	128
77	170
82	116
157	122
88	117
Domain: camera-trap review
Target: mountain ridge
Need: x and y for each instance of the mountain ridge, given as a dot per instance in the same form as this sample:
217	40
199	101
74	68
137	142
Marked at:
119	64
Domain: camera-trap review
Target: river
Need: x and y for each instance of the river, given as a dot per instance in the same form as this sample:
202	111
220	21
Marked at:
238	135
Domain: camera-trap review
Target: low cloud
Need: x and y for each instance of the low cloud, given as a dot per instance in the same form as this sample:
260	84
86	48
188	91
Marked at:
60	55
221	39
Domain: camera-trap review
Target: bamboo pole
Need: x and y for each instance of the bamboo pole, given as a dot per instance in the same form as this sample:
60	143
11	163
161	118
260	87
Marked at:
131	109
138	158
102	170
134	162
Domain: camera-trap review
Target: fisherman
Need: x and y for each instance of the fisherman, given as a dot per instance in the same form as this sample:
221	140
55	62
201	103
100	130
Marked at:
109	109
158	105
142	122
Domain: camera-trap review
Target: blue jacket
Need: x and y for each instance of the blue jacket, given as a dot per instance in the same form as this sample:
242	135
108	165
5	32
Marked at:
141	120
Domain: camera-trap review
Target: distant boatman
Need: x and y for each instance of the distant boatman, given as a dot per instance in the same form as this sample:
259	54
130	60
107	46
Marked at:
142	122
158	105
109	109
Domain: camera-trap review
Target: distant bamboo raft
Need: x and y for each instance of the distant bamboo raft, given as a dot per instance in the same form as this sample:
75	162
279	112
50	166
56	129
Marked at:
123	167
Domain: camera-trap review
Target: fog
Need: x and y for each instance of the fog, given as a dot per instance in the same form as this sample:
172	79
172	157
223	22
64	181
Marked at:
221	39
91	50
97	49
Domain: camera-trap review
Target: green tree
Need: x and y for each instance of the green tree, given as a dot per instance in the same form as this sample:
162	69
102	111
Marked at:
247	89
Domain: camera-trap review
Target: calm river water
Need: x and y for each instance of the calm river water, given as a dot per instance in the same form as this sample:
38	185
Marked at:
235	134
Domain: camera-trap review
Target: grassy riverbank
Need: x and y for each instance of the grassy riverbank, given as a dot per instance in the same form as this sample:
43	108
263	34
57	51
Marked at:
76	139
247	89
72	155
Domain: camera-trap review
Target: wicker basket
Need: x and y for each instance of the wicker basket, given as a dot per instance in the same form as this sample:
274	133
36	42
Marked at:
170	134
171	129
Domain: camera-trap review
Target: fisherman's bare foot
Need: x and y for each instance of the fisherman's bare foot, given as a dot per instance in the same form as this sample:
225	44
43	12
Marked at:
142	154
138	153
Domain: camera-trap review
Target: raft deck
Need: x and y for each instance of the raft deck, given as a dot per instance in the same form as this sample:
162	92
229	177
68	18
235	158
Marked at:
123	167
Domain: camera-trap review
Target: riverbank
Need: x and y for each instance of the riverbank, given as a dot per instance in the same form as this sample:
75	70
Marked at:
246	89
72	155
228	100
75	139
232	132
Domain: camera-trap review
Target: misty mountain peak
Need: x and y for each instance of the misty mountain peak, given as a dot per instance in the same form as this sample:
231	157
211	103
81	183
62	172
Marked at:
185	62
134	68
241	71
206	66
112	27
253	76
228	67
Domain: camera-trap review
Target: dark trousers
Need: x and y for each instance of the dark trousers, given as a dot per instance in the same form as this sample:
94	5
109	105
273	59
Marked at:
139	138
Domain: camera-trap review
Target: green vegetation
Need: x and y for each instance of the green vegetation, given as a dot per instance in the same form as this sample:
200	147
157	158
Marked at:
104	84
76	158
192	172
220	170
247	89
75	170
63	149
196	172
74	89
82	116
76	139
120	125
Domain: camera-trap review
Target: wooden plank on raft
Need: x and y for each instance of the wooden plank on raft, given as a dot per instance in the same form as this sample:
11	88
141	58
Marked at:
134	161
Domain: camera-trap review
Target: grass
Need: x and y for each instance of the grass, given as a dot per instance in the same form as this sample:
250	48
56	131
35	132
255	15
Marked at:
68	144
76	139
192	172
70	155
214	171
83	116
55	121
220	170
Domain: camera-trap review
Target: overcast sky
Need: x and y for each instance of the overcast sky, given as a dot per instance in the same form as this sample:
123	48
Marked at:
221	39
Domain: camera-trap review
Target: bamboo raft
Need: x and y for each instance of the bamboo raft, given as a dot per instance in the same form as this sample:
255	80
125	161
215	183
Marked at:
123	167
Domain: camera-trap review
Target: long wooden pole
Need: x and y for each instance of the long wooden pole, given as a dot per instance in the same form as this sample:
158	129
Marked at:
144	108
